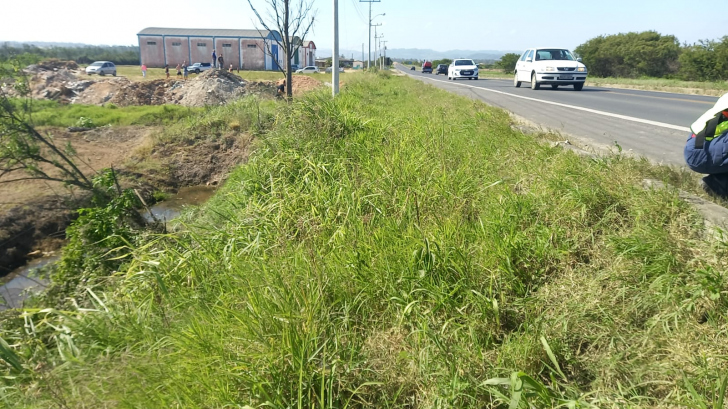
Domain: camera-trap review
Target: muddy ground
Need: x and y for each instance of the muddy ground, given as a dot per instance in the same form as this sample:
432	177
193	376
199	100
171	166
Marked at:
35	214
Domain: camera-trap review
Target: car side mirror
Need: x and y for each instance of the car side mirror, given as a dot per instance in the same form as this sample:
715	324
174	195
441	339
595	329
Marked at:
578	59
529	59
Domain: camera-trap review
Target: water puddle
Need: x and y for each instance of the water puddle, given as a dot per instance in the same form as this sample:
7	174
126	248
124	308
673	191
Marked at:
27	280
24	282
173	206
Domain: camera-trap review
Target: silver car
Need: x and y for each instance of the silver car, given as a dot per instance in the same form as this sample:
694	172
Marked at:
101	68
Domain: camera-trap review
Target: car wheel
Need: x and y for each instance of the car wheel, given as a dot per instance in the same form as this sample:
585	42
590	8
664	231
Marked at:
578	87
114	74
516	83
101	73
197	71
534	84
476	78
554	86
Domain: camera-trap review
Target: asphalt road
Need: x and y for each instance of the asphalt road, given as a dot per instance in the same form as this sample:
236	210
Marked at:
651	124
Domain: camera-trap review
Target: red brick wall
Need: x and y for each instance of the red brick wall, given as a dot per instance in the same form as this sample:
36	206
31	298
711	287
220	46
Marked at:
253	58
177	54
201	54
231	54
152	55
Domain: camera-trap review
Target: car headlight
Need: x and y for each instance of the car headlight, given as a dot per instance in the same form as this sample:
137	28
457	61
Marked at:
581	69
550	69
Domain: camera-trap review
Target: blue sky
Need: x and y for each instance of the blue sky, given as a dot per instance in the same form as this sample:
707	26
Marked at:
434	24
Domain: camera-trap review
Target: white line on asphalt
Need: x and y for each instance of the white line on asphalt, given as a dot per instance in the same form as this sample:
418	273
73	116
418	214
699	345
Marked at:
593	111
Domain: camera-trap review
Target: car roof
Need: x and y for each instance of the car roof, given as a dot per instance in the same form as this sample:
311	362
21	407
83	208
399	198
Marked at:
550	48
101	62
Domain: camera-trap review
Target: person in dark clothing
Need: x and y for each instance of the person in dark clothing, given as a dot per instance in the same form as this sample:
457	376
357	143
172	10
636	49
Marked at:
221	62
214	58
282	88
706	151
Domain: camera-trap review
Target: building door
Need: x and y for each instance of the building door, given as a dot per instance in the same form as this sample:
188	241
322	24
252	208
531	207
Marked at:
274	53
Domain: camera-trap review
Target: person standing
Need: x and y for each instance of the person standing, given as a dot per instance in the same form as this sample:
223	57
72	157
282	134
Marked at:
186	72
144	70
166	70
214	58
221	62
179	70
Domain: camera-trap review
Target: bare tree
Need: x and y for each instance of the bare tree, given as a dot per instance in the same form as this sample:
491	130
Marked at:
293	19
26	153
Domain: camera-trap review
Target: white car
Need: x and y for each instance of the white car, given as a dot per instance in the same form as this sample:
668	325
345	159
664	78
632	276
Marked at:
101	68
462	68
550	66
311	69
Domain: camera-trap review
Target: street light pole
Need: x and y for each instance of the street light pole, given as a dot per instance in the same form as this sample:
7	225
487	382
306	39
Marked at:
369	37
335	59
384	62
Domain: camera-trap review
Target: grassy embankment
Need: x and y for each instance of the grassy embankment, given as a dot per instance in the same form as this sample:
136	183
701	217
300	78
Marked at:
52	113
397	247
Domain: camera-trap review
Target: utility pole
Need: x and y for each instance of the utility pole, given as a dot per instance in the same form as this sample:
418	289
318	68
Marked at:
369	37
335	59
384	62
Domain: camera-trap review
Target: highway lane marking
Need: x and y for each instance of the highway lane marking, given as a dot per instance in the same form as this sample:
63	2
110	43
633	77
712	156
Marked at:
578	108
609	90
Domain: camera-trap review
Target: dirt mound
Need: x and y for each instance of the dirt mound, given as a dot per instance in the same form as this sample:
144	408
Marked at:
142	93
58	81
303	84
216	87
52	65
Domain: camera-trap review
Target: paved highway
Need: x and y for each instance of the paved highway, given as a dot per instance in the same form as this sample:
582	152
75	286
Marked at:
651	124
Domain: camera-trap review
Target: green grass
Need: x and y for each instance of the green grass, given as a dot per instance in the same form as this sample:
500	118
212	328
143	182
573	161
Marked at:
51	113
659	84
398	247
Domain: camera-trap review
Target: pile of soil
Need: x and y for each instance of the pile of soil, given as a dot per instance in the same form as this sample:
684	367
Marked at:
53	65
303	84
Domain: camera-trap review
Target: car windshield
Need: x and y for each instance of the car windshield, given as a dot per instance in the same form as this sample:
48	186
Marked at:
97	64
554	54
464	62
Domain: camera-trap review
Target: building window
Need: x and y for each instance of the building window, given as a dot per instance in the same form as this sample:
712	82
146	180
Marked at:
201	45
227	45
151	43
252	46
176	44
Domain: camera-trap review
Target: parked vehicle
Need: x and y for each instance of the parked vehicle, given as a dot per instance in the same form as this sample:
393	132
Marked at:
311	69
101	68
441	69
427	67
462	68
294	67
328	70
199	67
550	66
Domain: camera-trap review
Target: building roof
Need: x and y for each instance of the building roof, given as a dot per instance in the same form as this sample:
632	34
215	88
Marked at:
309	44
205	32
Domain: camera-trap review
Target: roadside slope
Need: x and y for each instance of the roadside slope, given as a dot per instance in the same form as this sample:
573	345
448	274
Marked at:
397	247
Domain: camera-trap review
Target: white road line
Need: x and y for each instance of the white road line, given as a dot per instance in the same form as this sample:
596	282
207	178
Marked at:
593	111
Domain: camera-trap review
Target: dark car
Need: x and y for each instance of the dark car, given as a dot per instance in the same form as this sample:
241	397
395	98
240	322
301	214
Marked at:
441	69
427	67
